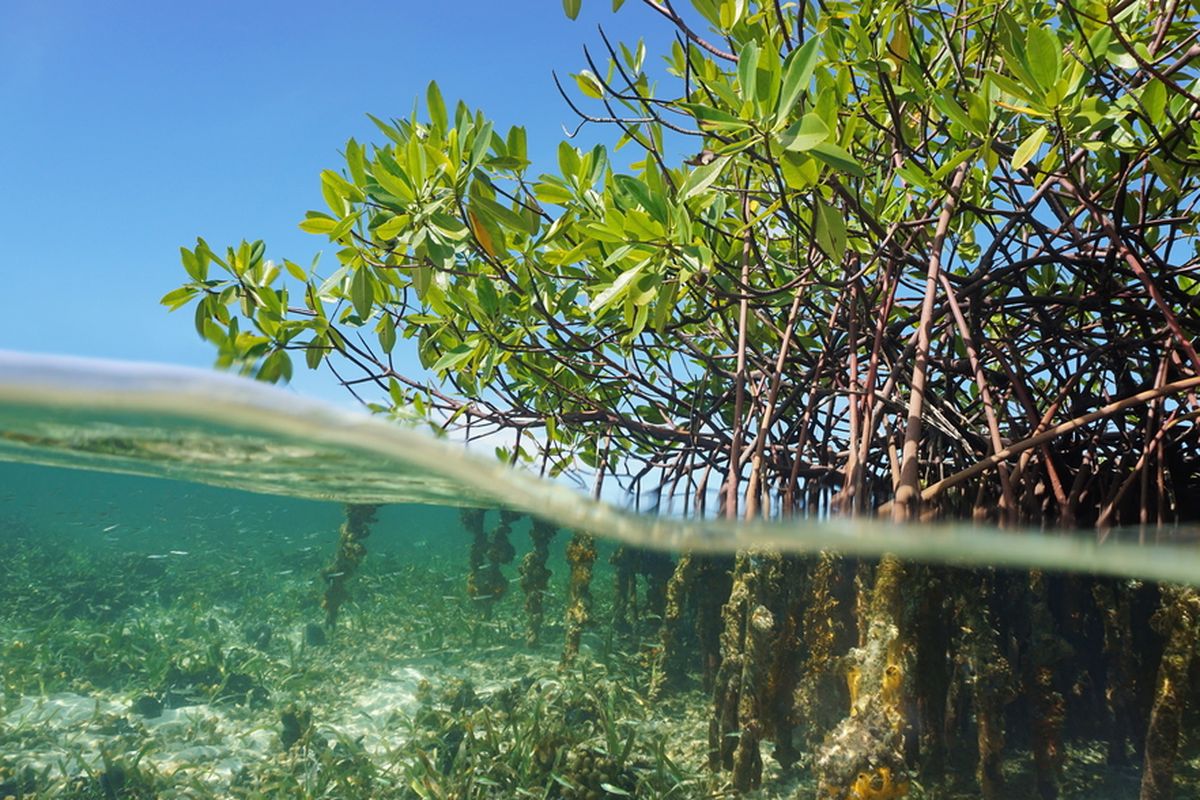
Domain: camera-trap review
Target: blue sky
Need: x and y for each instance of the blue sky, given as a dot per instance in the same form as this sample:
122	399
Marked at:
130	128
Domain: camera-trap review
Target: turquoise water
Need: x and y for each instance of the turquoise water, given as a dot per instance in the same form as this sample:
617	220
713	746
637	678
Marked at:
168	539
209	428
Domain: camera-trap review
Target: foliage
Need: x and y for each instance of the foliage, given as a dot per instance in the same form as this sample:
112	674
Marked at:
911	237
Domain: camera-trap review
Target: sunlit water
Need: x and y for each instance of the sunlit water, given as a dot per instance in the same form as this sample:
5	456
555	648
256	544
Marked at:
162	536
209	428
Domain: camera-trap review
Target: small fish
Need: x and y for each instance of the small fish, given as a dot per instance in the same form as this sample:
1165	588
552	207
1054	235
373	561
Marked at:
157	555
112	527
179	552
287	572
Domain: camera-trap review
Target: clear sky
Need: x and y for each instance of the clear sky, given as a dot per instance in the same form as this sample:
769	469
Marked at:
130	128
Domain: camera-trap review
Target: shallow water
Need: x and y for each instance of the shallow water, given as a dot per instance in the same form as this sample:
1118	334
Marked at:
167	536
210	428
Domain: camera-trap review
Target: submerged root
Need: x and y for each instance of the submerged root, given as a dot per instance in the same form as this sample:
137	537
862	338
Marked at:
535	578
1047	652
350	553
991	687
581	557
486	582
863	757
668	665
817	696
753	694
625	589
1112	601
1176	620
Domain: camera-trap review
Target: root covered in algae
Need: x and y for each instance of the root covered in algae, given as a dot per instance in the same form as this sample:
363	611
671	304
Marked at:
1047	652
816	708
669	663
754	688
863	757
350	553
1113	603
581	557
734	726
991	688
486	582
624	564
1176	621
535	578
628	563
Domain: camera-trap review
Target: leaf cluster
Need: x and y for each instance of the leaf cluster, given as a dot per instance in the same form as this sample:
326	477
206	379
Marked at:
754	308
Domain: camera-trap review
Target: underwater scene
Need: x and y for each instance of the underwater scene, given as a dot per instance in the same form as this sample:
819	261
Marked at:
210	589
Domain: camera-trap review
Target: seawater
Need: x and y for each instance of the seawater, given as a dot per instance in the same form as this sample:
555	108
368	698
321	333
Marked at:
166	537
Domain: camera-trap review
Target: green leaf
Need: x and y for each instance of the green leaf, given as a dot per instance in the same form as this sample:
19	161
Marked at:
797	73
340	187
392	227
314	351
589	84
391	177
951	109
618	287
569	162
799	171
838	158
295	270
437	107
362	292
502	214
479	145
830	231
731	13
486	293
709	118
1016	90
356	162
642	195
1028	148
572	7
343	226
387	333
645	289
195	266
1154	101
748	71
316	222
702	177
805	134
389	131
178	297
1043	54
551	191
1098	44
517	144
452	358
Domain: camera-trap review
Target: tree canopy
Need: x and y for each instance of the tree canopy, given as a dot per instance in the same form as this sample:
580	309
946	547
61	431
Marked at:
863	254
